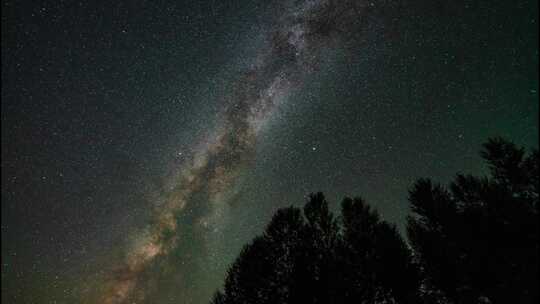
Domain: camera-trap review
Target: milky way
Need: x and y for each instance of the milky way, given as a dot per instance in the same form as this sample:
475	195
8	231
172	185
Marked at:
145	142
293	49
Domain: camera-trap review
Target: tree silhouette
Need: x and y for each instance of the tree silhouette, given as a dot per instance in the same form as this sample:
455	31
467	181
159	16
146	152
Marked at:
473	242
312	257
375	258
262	273
478	241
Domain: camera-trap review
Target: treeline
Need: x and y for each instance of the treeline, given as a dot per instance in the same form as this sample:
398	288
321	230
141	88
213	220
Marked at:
475	241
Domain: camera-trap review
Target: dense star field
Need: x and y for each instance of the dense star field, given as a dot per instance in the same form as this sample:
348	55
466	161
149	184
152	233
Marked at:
144	142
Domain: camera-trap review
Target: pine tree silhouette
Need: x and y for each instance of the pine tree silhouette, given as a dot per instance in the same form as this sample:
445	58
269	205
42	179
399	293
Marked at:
478	241
473	242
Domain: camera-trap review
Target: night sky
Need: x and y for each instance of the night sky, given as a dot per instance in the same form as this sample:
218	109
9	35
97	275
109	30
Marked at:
144	142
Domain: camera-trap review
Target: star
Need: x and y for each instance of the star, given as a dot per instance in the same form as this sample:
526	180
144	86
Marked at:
131	133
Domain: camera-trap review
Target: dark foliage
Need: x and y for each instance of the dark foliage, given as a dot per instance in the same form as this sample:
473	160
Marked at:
475	242
478	241
312	257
